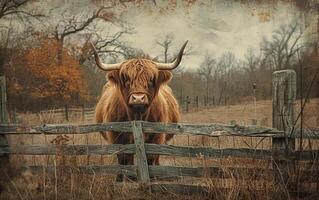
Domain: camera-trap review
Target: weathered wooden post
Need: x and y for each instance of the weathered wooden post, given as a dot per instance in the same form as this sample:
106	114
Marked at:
283	118
196	103
14	115
83	112
187	103
4	158
3	105
205	101
141	159
66	112
284	96
254	121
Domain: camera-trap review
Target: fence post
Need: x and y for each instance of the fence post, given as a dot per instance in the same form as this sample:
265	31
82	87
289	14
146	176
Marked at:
141	159
187	103
3	105
83	112
4	158
205	101
14	115
284	96
66	112
196	102
254	121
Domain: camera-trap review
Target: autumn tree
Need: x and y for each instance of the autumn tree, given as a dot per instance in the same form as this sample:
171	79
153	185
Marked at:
12	10
38	79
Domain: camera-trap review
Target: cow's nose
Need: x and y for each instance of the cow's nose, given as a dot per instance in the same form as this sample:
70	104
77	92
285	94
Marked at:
138	99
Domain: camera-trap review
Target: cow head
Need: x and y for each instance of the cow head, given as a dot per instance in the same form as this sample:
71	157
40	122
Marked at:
139	79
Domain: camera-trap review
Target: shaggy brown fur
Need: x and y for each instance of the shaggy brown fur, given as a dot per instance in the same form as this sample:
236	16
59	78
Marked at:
142	76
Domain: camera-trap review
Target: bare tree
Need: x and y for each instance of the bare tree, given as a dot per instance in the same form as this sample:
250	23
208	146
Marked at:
283	45
74	24
251	63
166	43
205	70
224	72
131	52
110	45
11	7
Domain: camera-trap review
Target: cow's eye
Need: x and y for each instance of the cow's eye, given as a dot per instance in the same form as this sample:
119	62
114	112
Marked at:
127	83
151	83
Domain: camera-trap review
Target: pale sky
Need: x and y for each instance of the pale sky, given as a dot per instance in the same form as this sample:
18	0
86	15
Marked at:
214	29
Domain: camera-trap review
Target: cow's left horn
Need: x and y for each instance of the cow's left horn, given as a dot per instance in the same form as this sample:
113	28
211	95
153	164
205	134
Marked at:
175	63
105	67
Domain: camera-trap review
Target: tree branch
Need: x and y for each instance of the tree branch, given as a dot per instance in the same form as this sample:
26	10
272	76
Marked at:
71	29
10	7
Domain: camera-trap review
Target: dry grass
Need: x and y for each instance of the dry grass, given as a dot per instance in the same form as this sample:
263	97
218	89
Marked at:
67	185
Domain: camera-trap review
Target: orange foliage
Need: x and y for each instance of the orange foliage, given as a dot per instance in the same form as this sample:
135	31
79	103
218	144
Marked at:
54	80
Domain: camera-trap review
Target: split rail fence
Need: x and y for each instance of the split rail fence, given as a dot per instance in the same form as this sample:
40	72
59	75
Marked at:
143	172
67	113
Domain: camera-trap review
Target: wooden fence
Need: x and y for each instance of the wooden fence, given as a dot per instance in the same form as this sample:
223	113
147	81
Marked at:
66	113
143	172
283	138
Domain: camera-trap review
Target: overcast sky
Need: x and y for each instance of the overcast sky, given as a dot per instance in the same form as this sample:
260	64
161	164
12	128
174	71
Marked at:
213	28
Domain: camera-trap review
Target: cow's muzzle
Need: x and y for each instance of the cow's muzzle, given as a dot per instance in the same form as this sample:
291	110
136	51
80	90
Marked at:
138	102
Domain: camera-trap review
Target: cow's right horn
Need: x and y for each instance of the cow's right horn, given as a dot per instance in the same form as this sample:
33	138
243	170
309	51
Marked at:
103	66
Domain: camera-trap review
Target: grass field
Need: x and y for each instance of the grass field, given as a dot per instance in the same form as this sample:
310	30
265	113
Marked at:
65	185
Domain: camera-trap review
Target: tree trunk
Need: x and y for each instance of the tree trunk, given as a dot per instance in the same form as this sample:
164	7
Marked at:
165	55
60	51
207	89
221	93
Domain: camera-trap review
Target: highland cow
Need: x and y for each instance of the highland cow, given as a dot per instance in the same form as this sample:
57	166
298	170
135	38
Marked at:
137	89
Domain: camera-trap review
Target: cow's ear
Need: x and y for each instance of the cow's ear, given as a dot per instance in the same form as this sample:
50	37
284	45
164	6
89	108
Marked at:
164	76
114	76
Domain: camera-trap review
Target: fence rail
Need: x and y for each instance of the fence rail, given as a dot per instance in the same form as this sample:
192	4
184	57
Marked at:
211	130
173	172
67	112
62	110
168	150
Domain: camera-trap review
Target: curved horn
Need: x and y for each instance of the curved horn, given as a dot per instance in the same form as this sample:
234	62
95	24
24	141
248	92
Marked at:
175	63
105	67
